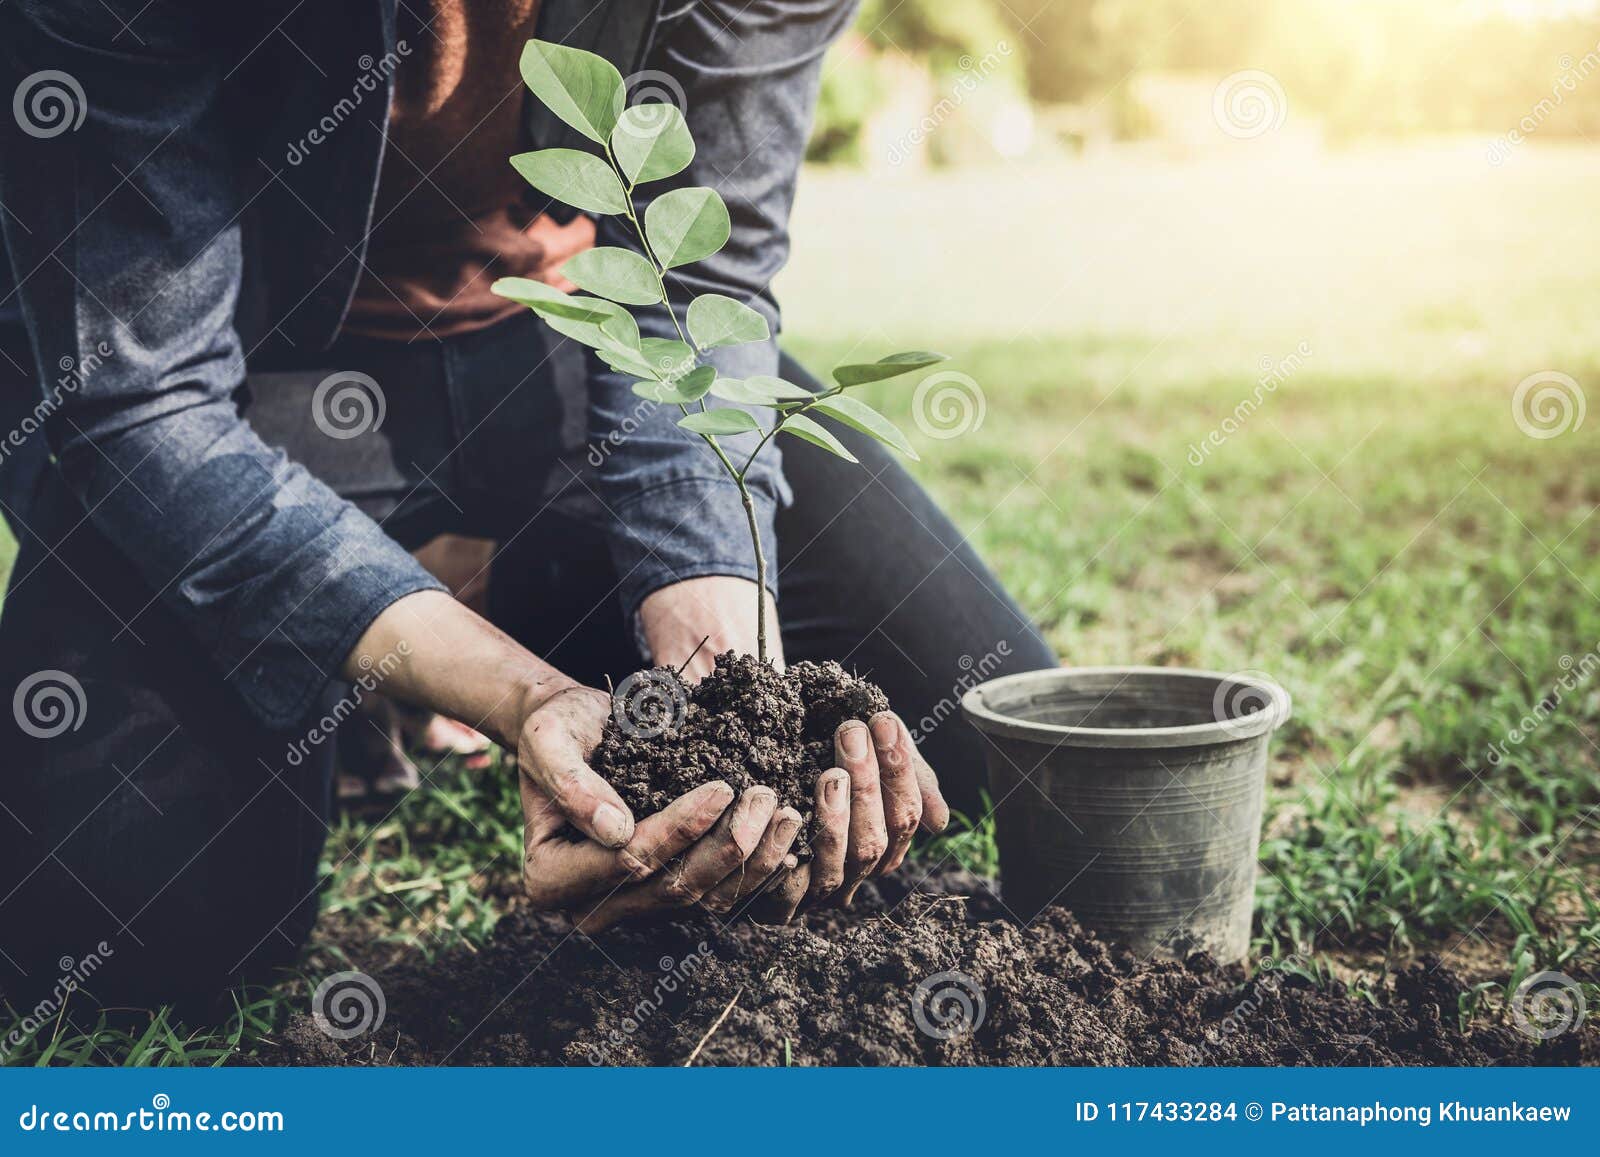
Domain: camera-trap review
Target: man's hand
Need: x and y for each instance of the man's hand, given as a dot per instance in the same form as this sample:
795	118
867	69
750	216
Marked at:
678	618
437	654
696	850
868	808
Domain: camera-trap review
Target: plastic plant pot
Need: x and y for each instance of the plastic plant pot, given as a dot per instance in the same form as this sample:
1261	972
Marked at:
1132	796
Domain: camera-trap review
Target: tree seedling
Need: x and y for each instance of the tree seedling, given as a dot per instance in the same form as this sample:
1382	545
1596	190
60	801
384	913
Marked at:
639	145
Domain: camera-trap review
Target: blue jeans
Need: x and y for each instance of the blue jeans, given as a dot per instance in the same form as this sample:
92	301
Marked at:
186	837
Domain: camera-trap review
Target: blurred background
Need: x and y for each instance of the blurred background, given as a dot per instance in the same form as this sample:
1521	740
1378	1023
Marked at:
1273	336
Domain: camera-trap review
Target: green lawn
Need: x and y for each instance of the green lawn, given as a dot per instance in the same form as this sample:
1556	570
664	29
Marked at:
1378	533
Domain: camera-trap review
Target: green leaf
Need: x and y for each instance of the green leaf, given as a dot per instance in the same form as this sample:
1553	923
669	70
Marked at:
624	361
668	358
780	390
759	391
603	325
620	327
547	301
686	225
614	273
691	387
577	179
860	416
651	141
890	367
719	422
818	435
584	90
717	320
698	382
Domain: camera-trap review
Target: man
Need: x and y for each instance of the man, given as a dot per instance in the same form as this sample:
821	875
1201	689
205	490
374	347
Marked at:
273	233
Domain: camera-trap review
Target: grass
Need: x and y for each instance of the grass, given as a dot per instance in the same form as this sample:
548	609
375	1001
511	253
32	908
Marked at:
1379	534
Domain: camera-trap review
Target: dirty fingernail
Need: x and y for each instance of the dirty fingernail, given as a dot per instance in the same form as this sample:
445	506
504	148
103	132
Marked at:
714	796
612	825
833	791
853	739
750	817
786	828
885	729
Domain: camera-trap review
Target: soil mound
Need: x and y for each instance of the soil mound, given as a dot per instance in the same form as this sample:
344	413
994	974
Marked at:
921	972
745	723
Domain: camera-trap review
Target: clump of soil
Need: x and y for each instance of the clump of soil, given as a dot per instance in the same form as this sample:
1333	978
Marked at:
843	988
745	723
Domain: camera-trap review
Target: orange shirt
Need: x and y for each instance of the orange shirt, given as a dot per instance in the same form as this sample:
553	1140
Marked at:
450	216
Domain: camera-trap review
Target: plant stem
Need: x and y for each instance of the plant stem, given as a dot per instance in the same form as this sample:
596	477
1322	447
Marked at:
761	572
736	474
755	542
655	262
778	425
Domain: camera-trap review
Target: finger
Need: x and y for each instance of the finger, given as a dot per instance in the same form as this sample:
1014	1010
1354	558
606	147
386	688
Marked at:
683	882
897	776
587	801
868	837
668	833
779	902
710	862
765	860
558	872
935	812
830	834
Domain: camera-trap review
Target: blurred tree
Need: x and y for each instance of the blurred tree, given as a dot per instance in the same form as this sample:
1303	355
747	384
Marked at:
1069	56
851	89
1357	67
940	31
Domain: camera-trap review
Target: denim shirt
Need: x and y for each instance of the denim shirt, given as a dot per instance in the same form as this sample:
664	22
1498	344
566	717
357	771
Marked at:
192	220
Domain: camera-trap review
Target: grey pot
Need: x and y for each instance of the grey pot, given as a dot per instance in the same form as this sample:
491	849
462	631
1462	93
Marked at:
1132	796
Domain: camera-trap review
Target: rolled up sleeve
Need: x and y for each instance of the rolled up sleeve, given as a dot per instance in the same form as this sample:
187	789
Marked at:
749	74
124	241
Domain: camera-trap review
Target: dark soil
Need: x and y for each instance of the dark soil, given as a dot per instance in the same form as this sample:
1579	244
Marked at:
745	723
842	988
